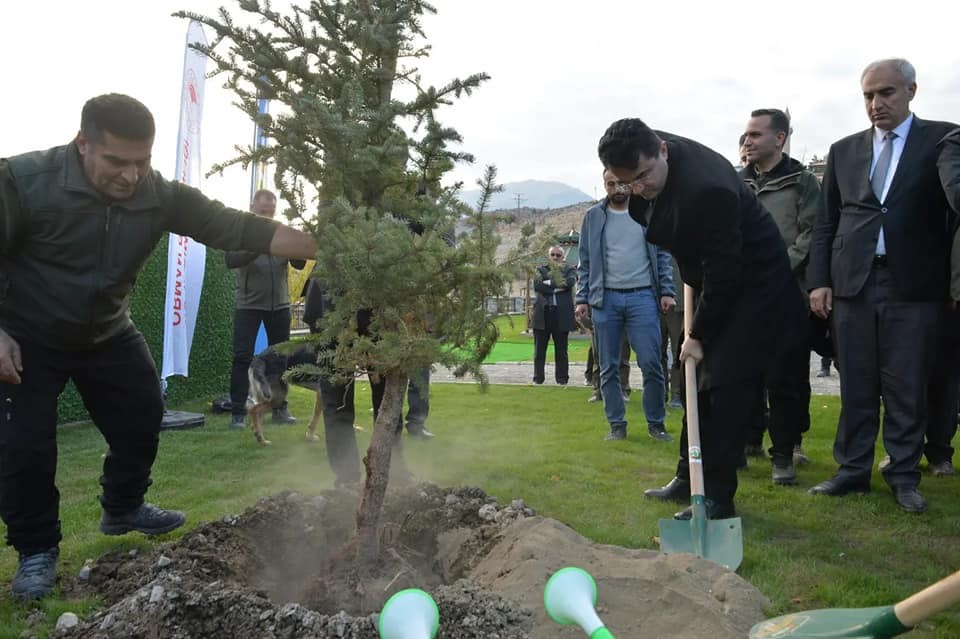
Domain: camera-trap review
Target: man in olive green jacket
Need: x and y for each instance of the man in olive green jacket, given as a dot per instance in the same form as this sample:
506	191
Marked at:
77	223
790	193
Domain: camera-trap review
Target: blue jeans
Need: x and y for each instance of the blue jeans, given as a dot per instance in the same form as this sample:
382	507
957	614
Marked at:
418	400
638	313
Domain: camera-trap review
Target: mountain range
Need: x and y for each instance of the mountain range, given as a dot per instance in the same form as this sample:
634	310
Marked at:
533	194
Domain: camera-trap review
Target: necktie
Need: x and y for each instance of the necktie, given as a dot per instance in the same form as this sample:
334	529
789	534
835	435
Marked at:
883	165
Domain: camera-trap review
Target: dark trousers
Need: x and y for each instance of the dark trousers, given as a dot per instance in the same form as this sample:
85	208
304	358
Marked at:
339	416
246	325
885	348
593	363
759	418
540	339
120	388
418	400
724	411
788	393
671	327
783	400
943	394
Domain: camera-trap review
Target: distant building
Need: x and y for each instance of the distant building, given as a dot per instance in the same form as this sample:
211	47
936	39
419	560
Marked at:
817	166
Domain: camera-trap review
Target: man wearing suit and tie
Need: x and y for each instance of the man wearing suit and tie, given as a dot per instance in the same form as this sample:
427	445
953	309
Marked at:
880	264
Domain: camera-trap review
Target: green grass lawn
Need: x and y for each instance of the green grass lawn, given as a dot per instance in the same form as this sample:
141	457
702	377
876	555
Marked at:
545	444
516	346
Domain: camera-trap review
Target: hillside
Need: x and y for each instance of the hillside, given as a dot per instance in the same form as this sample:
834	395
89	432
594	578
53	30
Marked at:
562	220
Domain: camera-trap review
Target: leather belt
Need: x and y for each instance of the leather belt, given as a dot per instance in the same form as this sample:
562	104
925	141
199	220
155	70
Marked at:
628	290
879	261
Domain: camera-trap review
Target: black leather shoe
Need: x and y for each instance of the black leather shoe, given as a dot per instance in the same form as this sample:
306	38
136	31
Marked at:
715	510
836	487
909	499
676	490
147	518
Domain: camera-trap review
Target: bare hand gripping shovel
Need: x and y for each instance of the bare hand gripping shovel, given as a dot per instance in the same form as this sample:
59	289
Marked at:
717	540
863	623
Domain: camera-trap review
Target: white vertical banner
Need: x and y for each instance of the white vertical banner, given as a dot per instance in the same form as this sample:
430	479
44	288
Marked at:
186	259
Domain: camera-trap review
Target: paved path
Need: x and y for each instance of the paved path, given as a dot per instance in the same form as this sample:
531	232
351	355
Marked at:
522	373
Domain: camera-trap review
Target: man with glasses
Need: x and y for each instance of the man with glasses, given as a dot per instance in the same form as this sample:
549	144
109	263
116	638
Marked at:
692	203
625	282
553	315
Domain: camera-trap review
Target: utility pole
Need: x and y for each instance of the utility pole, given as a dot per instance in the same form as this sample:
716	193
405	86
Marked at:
519	198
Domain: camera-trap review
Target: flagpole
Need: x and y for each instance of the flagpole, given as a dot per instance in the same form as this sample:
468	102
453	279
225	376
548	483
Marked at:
258	173
186	259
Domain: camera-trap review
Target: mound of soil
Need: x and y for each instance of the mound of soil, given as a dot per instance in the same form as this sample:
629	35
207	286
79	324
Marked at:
283	569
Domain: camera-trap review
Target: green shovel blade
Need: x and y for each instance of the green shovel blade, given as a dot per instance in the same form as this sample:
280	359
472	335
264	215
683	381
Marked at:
716	540
851	623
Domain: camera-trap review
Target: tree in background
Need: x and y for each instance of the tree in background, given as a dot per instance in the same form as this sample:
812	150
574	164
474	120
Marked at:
361	168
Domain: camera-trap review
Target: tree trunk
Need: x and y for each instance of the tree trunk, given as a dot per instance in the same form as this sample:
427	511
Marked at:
377	463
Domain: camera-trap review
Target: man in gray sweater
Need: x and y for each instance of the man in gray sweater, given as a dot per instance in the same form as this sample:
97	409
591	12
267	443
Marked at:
624	283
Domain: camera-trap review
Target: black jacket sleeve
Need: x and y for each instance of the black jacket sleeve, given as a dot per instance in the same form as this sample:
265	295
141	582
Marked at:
721	250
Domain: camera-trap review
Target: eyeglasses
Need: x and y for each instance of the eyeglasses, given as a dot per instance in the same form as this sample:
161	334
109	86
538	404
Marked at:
638	180
621	186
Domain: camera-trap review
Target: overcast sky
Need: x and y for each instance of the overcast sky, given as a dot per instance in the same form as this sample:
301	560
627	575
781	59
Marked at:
561	70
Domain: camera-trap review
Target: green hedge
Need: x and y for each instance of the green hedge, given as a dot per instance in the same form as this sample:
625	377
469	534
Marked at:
212	351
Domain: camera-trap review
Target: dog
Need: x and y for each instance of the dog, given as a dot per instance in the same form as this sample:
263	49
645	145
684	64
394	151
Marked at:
268	388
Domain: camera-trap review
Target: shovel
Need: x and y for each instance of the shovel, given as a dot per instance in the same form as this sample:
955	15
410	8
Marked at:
717	540
863	623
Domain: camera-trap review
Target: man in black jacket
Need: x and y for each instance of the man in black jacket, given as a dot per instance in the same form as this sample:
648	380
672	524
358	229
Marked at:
729	250
77	223
880	268
553	315
262	297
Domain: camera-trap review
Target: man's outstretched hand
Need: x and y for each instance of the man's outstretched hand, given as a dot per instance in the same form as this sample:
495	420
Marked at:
11	362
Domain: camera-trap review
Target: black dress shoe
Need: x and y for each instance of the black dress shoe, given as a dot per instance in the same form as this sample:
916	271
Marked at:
676	490
837	487
909	499
715	510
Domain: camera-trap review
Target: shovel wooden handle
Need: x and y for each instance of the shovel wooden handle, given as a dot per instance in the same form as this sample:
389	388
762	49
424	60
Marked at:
694	454
929	601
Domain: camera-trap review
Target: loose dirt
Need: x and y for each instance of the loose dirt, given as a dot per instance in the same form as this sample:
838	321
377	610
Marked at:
282	569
